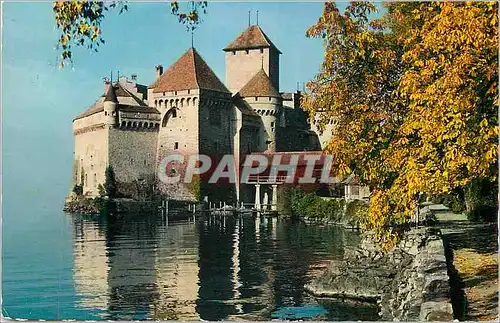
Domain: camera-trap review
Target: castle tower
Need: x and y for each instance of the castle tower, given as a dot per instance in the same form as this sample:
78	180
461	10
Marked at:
110	102
247	54
265	100
196	112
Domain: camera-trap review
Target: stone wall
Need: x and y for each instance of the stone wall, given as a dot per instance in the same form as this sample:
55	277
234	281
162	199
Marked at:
132	155
409	283
242	65
90	156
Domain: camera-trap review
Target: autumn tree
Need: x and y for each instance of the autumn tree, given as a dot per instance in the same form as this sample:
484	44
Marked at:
413	97
79	22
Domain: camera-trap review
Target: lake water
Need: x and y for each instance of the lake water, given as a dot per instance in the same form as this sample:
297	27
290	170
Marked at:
141	267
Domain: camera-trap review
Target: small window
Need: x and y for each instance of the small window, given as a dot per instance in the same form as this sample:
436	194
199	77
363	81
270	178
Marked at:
262	50
176	146
272	124
234	52
246	51
256	98
269	98
105	113
174	113
175	92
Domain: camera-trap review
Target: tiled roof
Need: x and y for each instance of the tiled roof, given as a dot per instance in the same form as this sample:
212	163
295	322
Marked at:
259	85
189	72
126	102
252	37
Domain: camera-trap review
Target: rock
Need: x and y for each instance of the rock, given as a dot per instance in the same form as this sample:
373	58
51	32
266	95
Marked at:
408	283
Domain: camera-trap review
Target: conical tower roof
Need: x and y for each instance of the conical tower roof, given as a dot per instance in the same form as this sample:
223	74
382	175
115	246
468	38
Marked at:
111	95
189	72
253	37
259	85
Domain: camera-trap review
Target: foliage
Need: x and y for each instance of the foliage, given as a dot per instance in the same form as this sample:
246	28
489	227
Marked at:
413	97
194	187
110	182
79	22
101	190
78	189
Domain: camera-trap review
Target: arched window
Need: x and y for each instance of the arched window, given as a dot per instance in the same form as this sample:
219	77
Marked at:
171	103
124	124
151	125
134	125
194	101
129	124
156	103
140	124
188	101
182	102
160	103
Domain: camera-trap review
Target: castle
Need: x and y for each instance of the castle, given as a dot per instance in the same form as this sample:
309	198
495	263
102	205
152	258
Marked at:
189	110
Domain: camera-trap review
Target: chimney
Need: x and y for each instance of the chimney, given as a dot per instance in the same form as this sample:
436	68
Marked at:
159	70
134	79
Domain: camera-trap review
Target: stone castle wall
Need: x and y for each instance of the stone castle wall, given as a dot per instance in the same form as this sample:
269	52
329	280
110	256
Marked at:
242	65
91	152
132	154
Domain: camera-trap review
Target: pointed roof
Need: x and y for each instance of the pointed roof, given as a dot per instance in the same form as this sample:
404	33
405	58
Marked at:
189	72
259	85
252	37
111	95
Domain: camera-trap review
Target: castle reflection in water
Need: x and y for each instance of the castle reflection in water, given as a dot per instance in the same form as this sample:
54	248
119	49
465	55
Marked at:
213	269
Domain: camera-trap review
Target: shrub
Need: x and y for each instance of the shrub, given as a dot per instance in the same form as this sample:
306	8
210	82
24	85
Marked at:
110	183
78	189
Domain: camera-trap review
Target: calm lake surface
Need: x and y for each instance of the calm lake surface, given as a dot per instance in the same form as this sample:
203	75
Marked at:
211	268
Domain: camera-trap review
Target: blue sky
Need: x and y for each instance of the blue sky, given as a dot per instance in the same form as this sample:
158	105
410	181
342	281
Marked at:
39	100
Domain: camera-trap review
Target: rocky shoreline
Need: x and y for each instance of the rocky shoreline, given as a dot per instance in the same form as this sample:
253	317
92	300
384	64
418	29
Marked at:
408	283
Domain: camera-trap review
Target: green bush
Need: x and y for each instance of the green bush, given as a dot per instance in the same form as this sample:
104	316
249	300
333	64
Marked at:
78	189
110	184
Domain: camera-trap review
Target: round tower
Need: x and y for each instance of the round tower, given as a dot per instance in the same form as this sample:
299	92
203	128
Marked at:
260	94
110	102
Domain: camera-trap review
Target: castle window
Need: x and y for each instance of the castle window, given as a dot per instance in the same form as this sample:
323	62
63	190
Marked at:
262	50
176	145
175	92
246	51
189	92
174	113
256	98
105	113
182	102
272	124
234	52
269	98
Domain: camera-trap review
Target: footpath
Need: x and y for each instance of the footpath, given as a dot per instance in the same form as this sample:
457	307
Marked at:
472	257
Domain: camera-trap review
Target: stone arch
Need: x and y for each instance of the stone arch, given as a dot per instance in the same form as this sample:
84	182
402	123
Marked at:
172	112
129	124
140	125
151	125
124	124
